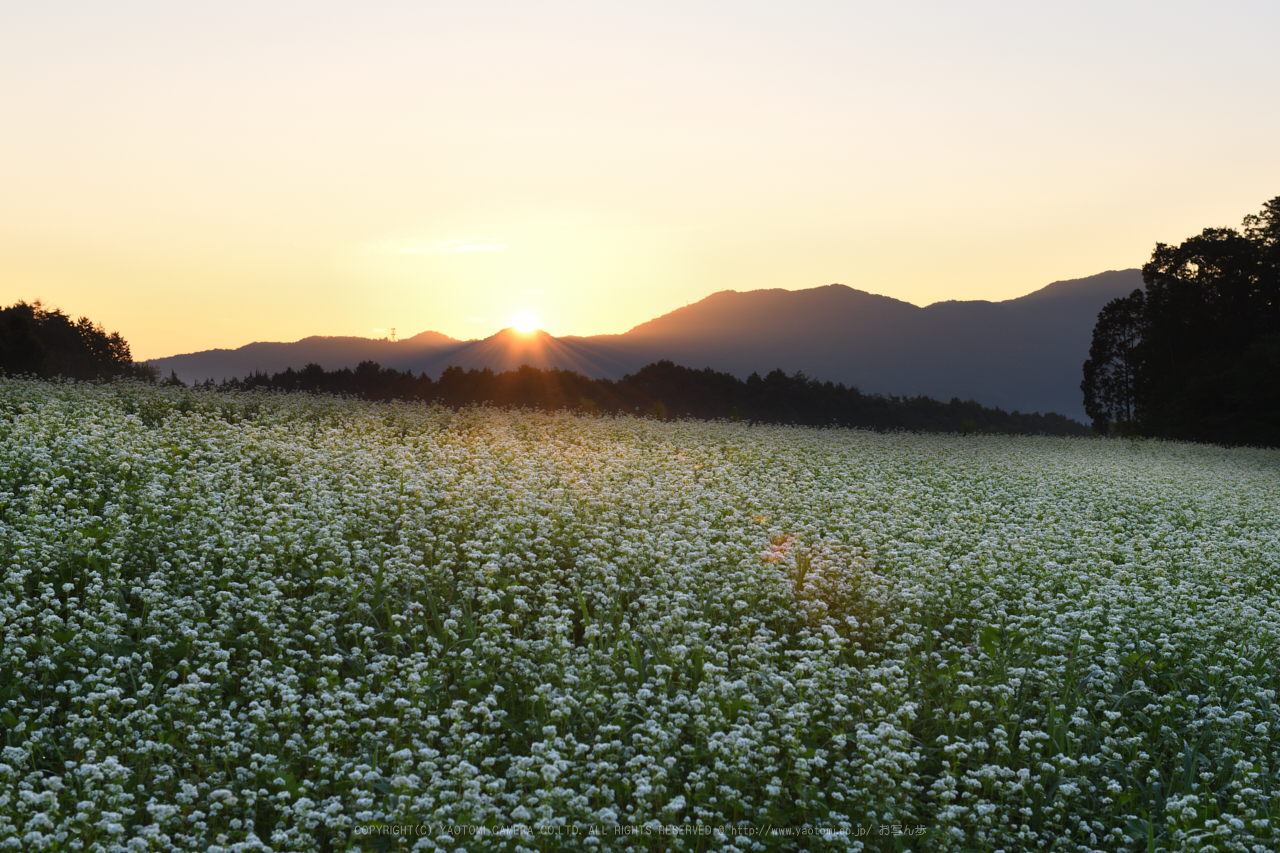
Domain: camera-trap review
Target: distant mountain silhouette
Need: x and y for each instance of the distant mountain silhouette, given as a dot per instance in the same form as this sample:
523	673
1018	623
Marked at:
330	353
1024	354
508	349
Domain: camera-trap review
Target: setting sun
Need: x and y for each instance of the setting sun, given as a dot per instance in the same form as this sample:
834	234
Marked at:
524	322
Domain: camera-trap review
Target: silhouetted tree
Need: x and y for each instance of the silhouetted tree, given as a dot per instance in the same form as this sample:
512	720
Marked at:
20	348
1191	358
1111	373
46	342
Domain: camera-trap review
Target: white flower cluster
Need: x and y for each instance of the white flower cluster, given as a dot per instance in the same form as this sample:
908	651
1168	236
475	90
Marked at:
250	622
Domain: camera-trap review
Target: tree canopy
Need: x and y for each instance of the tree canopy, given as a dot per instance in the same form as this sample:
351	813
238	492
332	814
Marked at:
1195	356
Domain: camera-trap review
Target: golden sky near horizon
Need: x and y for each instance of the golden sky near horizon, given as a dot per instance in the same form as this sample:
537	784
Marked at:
207	176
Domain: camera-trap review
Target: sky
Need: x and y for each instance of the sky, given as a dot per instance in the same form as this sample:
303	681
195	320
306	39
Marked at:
207	175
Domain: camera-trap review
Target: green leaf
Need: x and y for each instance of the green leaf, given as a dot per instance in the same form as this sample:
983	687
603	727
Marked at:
988	639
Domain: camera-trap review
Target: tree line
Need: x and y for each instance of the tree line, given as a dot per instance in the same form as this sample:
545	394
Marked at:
1195	355
666	390
45	342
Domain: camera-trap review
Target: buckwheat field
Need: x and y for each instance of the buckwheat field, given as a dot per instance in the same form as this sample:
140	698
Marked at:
241	622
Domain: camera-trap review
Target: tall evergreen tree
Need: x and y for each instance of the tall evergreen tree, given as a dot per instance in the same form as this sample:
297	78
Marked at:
1111	373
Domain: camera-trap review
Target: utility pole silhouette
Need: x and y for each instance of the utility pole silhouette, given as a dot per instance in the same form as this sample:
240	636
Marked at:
393	334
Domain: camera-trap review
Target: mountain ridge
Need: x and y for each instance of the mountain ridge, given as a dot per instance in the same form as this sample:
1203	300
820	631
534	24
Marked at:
1023	353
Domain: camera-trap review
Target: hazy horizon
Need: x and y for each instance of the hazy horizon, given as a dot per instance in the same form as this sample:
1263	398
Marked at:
201	178
404	334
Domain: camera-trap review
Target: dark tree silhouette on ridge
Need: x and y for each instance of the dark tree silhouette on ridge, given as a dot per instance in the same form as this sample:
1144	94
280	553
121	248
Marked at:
667	390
